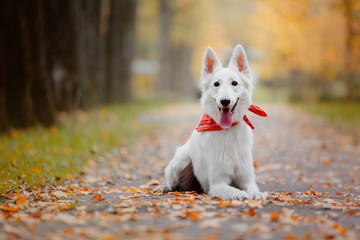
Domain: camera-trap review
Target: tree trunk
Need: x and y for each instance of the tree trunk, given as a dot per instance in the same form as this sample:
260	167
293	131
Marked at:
16	84
180	78
121	49
164	80
61	32
38	74
93	18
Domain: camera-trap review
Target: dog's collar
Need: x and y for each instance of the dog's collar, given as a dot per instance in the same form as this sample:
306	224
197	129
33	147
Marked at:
208	124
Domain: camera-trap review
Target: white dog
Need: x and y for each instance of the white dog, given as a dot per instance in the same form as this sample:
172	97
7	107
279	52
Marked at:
217	159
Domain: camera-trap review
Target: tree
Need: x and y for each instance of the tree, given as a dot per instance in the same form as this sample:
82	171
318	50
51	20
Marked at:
26	97
120	50
54	56
166	15
181	24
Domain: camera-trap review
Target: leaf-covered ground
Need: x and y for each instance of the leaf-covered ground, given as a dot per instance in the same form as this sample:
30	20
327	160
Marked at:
310	172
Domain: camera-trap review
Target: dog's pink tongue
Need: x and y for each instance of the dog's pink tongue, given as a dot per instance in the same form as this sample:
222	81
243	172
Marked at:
225	118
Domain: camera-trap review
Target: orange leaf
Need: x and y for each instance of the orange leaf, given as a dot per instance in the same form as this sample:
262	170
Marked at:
340	228
17	195
68	231
351	212
21	202
176	193
251	212
193	215
63	207
7	208
290	236
97	198
223	204
274	216
217	199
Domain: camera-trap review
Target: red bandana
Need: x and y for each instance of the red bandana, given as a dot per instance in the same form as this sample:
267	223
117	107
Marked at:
208	124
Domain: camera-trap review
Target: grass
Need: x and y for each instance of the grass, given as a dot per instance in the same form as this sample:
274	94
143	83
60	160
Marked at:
345	114
39	155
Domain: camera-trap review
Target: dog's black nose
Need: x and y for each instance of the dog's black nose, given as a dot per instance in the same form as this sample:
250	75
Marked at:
225	102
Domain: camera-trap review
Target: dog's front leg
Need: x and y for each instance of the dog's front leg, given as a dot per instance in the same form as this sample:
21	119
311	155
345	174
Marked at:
253	191
248	183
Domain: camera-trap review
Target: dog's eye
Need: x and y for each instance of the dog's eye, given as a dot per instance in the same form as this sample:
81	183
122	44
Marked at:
234	83
216	84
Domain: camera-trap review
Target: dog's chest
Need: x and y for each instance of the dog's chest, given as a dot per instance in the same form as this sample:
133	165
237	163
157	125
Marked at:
221	154
235	140
227	147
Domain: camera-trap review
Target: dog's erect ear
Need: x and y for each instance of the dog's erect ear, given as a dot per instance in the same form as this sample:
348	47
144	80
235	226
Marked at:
239	59
211	62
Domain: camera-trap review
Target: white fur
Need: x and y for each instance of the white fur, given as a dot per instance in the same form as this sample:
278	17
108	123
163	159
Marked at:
222	160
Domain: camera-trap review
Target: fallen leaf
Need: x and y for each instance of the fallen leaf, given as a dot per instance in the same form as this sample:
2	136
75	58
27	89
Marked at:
17	195
223	204
351	212
22	202
97	198
340	228
7	208
251	212
195	216
274	216
290	236
68	231
60	194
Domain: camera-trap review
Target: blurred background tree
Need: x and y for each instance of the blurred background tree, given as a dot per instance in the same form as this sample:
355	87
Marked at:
64	55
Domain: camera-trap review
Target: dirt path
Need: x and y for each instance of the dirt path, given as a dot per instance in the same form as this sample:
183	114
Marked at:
311	173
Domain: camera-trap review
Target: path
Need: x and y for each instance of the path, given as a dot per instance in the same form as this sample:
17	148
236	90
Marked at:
311	173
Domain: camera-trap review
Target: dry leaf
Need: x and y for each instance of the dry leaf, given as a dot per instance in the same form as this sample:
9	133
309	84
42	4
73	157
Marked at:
195	216
290	236
223	204
251	212
17	194
7	208
274	216
60	194
97	198
21	202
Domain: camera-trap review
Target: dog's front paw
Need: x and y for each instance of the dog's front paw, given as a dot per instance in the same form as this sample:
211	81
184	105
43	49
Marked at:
257	195
162	189
240	195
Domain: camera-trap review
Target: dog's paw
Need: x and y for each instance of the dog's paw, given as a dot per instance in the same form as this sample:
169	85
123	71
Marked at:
257	196
240	195
162	189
